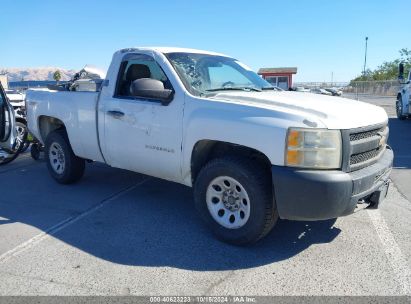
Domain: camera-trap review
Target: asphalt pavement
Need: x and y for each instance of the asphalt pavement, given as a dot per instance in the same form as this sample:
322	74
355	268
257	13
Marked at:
121	233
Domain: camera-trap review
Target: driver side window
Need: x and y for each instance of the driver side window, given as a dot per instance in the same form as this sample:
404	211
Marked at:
138	67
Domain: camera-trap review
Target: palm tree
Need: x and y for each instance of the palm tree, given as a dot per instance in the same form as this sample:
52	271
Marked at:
57	76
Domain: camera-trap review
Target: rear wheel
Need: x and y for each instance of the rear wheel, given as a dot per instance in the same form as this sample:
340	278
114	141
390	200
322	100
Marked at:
64	166
234	197
399	108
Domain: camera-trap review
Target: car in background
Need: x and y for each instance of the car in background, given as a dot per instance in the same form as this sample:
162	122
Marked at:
16	98
302	89
334	91
320	91
17	101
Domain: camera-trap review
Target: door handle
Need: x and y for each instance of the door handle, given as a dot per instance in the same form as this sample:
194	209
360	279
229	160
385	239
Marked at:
115	114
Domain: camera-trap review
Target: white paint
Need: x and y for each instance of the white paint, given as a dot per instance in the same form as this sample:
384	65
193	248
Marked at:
392	251
61	225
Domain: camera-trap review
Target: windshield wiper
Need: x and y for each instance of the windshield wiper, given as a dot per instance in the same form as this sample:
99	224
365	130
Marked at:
271	88
235	89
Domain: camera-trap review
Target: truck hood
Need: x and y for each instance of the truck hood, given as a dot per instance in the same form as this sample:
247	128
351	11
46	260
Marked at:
331	112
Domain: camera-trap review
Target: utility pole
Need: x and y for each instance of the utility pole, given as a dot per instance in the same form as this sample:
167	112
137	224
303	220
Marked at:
332	78
365	58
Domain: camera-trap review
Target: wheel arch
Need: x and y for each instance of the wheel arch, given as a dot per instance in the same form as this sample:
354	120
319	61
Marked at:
48	124
205	150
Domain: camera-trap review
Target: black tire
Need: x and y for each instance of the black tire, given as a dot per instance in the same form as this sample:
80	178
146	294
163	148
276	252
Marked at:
22	146
35	151
73	168
398	108
256	181
23	136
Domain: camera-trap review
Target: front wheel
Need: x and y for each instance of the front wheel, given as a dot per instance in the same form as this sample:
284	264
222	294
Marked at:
234	197
399	109
64	166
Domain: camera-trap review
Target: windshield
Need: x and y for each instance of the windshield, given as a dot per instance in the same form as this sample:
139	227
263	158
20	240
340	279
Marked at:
208	74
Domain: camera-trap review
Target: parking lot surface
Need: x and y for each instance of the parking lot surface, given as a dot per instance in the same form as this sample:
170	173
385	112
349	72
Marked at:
121	233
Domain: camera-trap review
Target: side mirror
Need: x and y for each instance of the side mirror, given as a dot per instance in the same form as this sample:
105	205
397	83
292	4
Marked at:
401	71
151	89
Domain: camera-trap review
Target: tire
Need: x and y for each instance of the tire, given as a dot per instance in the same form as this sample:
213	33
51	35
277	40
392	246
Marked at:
399	109
35	151
254	182
22	132
63	165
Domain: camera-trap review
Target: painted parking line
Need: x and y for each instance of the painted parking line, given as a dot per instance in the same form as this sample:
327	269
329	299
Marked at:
392	251
63	224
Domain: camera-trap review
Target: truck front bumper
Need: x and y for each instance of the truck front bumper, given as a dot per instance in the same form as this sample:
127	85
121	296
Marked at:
325	194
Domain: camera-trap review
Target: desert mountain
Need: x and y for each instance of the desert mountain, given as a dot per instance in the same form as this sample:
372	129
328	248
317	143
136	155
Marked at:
46	73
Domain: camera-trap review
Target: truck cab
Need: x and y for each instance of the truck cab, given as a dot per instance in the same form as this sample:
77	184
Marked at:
403	102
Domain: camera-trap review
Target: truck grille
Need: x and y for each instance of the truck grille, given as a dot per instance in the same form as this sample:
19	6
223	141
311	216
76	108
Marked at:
366	146
363	157
366	134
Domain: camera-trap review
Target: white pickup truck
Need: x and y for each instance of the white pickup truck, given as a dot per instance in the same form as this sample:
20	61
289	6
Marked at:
252	153
403	102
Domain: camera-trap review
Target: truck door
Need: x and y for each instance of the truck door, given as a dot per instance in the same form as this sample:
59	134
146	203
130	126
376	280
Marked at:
7	123
140	134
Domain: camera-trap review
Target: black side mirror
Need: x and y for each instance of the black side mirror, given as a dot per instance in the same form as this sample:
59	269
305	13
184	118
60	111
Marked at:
401	71
151	89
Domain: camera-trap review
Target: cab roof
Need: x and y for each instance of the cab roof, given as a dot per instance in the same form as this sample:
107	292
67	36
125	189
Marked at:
166	50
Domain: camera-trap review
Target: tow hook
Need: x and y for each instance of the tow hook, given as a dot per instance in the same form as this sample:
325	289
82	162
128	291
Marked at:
361	205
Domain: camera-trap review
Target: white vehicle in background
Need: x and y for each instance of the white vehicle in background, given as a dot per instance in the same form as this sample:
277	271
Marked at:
403	102
320	91
334	91
17	101
251	153
302	89
16	98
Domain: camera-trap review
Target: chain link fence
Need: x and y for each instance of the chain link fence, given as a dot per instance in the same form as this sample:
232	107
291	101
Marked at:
373	88
322	85
376	88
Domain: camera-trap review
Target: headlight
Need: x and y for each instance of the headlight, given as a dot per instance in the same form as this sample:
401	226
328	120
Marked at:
313	148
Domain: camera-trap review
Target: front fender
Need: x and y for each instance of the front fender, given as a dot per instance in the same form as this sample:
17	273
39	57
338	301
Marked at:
262	133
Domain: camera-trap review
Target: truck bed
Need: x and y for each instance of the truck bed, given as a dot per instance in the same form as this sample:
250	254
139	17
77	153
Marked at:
77	110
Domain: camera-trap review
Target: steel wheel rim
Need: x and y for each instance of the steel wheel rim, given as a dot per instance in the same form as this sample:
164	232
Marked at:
56	158
399	107
228	202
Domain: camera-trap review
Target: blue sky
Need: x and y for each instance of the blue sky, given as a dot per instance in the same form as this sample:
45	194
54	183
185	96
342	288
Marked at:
318	37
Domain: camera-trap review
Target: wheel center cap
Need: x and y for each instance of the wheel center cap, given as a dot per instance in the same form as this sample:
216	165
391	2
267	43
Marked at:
231	201
60	157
